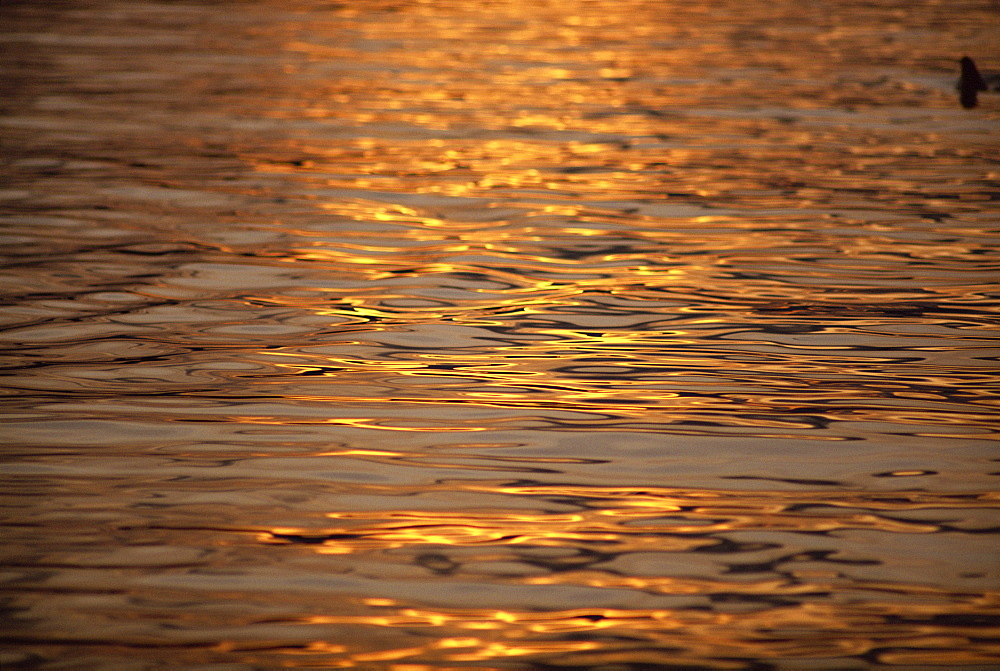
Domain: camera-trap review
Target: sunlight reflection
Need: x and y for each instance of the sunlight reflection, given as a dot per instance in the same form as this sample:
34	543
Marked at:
447	334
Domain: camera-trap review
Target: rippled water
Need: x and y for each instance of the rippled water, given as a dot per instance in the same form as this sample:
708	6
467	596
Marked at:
492	334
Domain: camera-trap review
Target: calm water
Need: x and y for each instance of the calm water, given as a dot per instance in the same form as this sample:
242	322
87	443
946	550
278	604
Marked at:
414	335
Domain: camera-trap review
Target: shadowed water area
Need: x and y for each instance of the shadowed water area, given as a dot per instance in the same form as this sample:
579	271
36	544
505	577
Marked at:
492	334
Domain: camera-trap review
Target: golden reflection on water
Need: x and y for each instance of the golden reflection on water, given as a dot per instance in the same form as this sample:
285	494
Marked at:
637	521
678	637
796	615
430	334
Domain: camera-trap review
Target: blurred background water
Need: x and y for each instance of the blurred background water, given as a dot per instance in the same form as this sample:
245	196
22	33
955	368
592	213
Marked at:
440	334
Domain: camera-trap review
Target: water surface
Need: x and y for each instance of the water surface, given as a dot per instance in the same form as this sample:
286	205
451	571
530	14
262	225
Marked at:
447	335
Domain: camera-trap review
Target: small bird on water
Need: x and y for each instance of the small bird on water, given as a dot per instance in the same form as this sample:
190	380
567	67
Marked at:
970	83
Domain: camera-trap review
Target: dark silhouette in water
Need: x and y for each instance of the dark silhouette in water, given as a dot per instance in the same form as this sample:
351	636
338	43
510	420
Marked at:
971	83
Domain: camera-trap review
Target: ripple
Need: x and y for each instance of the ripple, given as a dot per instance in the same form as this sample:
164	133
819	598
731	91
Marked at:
531	336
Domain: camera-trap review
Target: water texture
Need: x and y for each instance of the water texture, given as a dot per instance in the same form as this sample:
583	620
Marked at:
490	334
